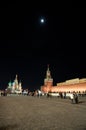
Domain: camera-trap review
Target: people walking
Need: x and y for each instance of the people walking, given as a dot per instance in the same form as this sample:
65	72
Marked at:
76	98
72	97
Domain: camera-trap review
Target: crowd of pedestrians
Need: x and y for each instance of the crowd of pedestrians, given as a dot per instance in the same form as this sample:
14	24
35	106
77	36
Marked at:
72	96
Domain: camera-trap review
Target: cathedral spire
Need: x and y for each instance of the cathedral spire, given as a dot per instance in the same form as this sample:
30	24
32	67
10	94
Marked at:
16	79
16	76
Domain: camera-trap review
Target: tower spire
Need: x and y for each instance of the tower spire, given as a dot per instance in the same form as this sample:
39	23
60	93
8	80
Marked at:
48	74
48	65
48	80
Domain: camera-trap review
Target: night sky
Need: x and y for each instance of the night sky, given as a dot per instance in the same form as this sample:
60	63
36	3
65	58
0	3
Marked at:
28	46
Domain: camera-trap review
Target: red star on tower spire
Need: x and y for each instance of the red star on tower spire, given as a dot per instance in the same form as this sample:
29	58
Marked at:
48	65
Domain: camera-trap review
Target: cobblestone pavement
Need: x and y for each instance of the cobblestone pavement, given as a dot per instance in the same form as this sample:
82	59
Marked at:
33	113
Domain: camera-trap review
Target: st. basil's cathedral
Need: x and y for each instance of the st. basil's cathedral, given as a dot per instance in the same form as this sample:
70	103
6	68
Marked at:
15	87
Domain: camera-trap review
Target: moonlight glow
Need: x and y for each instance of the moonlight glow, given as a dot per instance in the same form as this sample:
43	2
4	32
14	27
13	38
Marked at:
42	21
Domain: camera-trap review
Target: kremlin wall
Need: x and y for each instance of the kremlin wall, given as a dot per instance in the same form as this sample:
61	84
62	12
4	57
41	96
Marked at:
69	86
72	85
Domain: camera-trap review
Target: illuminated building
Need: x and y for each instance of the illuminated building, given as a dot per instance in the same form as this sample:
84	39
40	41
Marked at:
72	85
15	87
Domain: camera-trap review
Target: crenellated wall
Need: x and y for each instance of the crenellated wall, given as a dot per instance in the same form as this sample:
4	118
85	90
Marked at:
72	85
78	87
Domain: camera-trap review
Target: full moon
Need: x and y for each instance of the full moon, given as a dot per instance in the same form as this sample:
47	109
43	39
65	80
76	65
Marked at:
42	21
